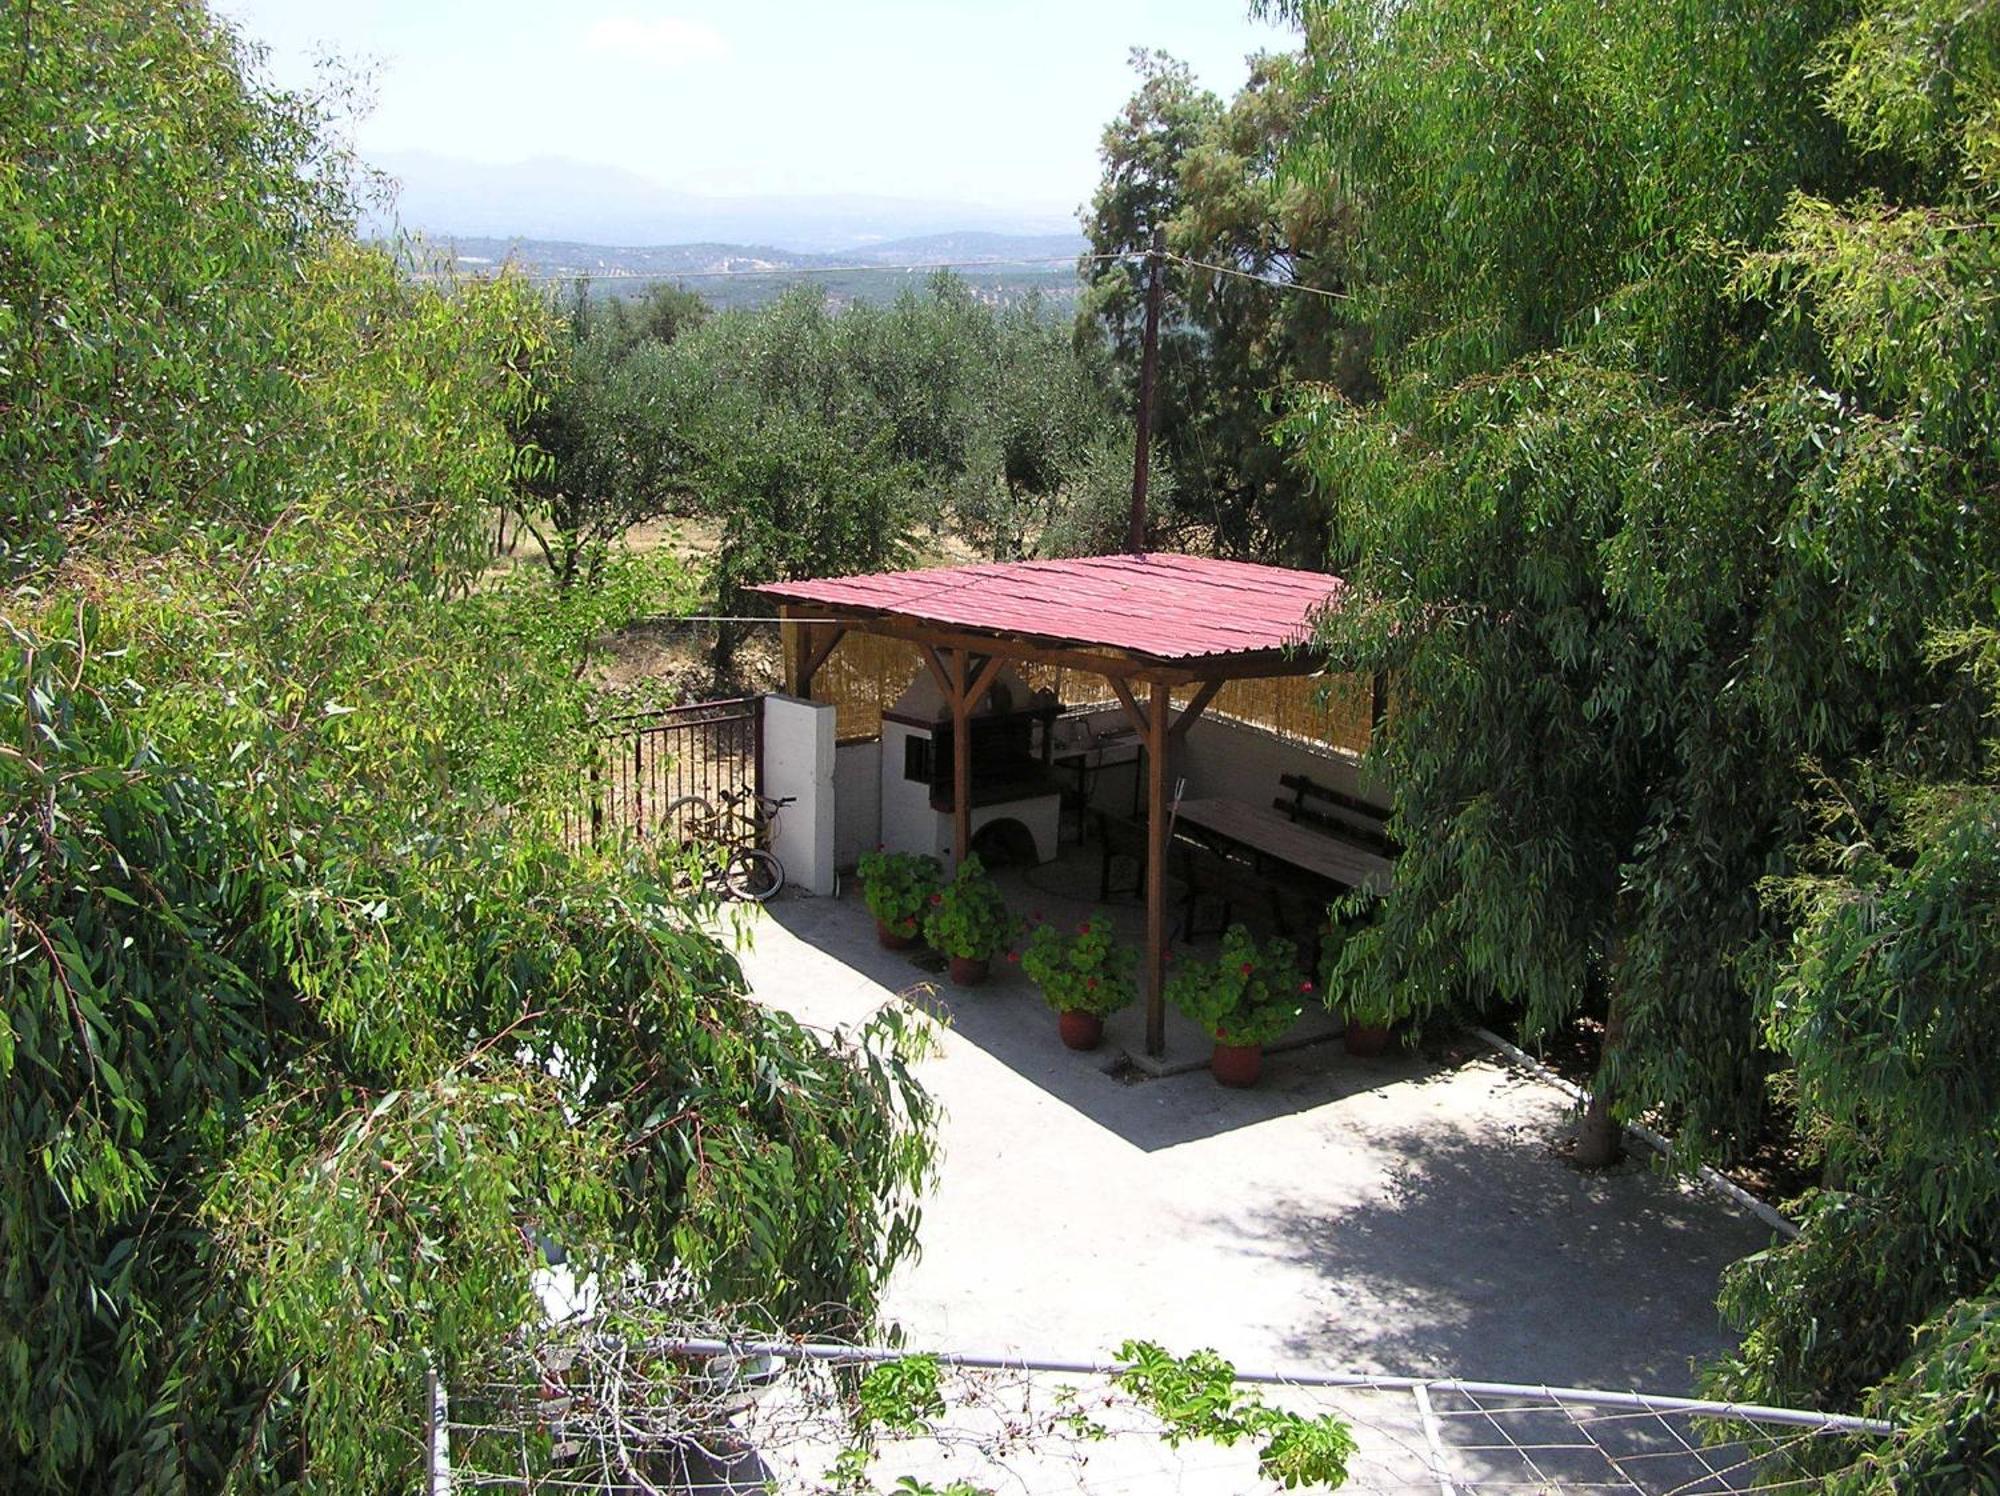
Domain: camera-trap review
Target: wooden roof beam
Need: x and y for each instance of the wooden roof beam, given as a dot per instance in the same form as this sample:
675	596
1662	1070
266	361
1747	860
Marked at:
1134	713
1191	713
818	654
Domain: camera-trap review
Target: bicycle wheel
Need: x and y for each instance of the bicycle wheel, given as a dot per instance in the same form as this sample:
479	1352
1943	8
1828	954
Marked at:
687	817
752	874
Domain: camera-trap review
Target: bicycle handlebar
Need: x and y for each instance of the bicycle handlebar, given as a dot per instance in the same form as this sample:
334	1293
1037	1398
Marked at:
737	797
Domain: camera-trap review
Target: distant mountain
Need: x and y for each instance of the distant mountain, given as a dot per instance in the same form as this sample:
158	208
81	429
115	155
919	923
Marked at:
565	258
561	201
1000	268
974	248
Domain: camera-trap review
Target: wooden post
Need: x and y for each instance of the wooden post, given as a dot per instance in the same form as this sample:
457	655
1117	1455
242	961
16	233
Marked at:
961	754
1157	740
1191	713
1149	363
815	649
794	639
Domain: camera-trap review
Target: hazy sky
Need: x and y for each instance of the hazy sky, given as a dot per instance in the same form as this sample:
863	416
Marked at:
999	103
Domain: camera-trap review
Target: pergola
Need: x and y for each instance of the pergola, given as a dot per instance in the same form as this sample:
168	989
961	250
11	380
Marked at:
1149	624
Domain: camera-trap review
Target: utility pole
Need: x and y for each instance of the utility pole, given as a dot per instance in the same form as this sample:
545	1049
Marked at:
1149	361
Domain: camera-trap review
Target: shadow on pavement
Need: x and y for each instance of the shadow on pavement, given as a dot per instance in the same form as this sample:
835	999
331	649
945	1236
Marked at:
1007	1019
1485	1257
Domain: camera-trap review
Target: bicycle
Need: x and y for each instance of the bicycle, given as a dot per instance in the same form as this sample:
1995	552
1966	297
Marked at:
734	839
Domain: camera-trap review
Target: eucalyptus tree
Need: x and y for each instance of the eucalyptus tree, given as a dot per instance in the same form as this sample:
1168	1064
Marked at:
318	1037
110	322
1555	527
1685	323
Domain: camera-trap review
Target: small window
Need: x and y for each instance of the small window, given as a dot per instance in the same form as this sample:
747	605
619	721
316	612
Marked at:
917	759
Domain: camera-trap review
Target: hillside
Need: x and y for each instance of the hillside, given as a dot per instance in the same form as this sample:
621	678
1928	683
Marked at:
560	198
975	246
752	274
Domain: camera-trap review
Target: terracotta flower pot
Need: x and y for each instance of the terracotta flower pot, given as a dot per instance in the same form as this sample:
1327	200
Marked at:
1236	1064
1365	1040
1080	1030
969	971
889	940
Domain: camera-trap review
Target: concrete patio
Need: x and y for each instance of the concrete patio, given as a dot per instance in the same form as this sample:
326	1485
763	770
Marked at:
1406	1215
1401	1215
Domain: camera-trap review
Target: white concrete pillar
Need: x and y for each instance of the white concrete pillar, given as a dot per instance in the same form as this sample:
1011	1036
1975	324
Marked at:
798	762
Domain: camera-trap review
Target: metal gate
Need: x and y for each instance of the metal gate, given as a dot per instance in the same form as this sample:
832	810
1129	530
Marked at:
652	775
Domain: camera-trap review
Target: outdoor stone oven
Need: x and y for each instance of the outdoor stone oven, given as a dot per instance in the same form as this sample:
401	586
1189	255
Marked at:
1011	779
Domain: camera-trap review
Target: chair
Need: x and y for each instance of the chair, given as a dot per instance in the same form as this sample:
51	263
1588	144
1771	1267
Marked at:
1118	838
1208	875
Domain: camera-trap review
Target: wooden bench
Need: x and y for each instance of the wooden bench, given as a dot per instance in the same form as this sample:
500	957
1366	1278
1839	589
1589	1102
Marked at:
1337	813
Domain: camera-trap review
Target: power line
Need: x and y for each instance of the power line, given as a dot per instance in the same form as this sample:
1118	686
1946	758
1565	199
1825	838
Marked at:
1262	280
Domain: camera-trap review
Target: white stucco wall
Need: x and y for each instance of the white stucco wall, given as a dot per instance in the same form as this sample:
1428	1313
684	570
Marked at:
798	762
908	822
1233	759
1223	759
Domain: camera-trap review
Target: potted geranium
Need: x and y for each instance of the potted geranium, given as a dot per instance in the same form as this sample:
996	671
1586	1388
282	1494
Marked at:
1084	977
1247	997
967	920
897	887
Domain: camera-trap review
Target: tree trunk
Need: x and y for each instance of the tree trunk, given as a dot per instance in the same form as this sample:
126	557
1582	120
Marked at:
724	659
1600	1140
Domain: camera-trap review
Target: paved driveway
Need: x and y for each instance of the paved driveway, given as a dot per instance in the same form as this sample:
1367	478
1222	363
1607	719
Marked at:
1403	1215
1400	1215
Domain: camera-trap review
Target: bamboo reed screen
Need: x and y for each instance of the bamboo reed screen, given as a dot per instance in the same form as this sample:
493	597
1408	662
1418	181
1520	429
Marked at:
866	673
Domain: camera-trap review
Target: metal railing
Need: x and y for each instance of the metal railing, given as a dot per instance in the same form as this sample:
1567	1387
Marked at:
656	775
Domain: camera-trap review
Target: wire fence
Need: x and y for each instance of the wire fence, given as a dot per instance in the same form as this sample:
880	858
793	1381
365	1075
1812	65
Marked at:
730	1416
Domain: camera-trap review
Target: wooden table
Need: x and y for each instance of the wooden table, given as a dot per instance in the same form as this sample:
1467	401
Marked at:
1271	833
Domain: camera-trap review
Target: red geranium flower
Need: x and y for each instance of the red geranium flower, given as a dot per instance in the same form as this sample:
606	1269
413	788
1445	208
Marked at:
1013	955
1305	986
1245	968
938	898
1084	928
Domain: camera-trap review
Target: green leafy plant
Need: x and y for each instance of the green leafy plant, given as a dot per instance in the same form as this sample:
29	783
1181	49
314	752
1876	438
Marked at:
902	1395
1249	994
897	887
967	917
1088	972
1354	1000
1196	1397
314	1024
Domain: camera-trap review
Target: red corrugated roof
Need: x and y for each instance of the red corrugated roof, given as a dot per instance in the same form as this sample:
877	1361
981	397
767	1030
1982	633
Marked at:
1167	607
